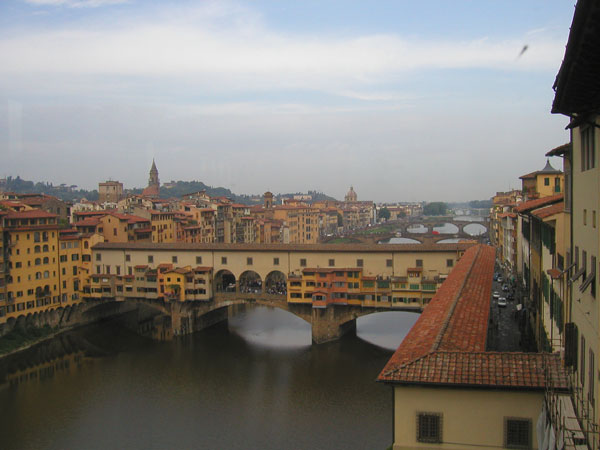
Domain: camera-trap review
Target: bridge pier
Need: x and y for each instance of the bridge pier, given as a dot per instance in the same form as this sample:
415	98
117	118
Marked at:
331	323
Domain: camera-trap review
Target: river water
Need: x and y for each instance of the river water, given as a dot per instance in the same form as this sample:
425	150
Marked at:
255	382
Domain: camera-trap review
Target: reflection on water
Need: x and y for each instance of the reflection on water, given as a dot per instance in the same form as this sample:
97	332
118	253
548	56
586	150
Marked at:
253	384
271	327
401	240
385	329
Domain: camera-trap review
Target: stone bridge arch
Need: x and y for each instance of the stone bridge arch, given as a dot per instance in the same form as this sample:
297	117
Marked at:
250	282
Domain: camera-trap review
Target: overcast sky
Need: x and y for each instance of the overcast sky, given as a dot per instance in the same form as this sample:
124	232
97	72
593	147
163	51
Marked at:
404	100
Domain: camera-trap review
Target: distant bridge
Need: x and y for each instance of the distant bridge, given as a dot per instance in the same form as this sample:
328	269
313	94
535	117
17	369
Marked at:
402	229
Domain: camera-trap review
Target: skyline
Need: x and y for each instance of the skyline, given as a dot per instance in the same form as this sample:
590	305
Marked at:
403	102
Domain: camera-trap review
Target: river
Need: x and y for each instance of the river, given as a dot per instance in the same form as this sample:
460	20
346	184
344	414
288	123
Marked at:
252	382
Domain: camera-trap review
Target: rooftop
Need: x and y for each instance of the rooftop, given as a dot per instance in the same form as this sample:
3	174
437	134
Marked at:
356	248
447	344
538	202
548	211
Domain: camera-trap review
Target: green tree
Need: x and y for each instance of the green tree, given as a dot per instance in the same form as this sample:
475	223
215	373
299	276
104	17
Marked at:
384	213
435	209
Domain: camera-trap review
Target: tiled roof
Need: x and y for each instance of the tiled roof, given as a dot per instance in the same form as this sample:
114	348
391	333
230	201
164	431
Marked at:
446	346
538	202
548	211
31	214
485	369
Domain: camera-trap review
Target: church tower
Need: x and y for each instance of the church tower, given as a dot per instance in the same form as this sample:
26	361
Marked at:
153	182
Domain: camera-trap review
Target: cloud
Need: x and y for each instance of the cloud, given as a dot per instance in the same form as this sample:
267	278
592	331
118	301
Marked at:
76	3
226	47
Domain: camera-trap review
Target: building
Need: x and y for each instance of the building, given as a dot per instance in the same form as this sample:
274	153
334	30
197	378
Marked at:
153	188
450	392
543	183
351	195
577	97
110	192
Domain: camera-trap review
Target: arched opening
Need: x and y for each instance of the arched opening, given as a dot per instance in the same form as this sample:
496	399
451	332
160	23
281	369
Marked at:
225	281
250	283
417	228
270	327
386	329
275	283
474	229
446	228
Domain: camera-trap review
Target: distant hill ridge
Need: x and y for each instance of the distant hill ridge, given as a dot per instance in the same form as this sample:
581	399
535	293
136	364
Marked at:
173	189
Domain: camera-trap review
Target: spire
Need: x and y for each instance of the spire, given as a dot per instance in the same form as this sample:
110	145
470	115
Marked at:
153	169
548	168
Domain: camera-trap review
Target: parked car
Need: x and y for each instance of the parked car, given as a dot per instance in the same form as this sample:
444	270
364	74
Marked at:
500	280
496	295
502	302
505	288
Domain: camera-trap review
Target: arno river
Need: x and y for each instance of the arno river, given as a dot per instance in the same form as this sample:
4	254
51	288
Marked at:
255	382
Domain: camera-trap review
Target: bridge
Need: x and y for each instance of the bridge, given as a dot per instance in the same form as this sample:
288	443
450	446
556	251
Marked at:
162	319
402	229
174	289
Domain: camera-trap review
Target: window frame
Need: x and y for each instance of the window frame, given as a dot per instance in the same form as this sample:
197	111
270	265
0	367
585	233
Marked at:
514	445
428	436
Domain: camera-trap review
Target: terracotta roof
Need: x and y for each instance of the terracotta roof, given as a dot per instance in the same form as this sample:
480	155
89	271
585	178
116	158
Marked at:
446	346
485	369
507	214
414	269
31	214
538	202
548	211
560	150
88	222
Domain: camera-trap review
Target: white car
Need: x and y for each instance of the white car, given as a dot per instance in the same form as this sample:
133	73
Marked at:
502	302
496	295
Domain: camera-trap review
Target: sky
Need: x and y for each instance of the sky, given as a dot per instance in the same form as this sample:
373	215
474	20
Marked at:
403	100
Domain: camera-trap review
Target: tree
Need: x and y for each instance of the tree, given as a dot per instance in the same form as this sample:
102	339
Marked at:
434	209
384	213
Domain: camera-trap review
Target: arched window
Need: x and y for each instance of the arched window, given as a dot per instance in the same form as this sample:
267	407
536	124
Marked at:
38	275
36	249
36	236
46	260
46	274
45	236
38	261
45	248
86	244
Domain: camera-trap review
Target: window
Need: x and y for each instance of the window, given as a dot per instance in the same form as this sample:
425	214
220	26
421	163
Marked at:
150	259
517	433
585	216
173	259
223	259
449	262
198	259
331	262
98	257
249	261
359	263
302	262
63	258
419	263
547	181
275	261
429	427
588	148
75	257
128	258
388	262
582	362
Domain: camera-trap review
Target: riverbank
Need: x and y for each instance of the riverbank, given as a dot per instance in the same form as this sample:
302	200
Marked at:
20	339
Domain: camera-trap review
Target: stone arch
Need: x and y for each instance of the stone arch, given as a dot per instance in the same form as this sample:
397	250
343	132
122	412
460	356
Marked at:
225	281
275	283
250	282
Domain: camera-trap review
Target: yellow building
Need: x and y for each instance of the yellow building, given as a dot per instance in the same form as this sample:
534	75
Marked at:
543	183
163	226
32	282
577	86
